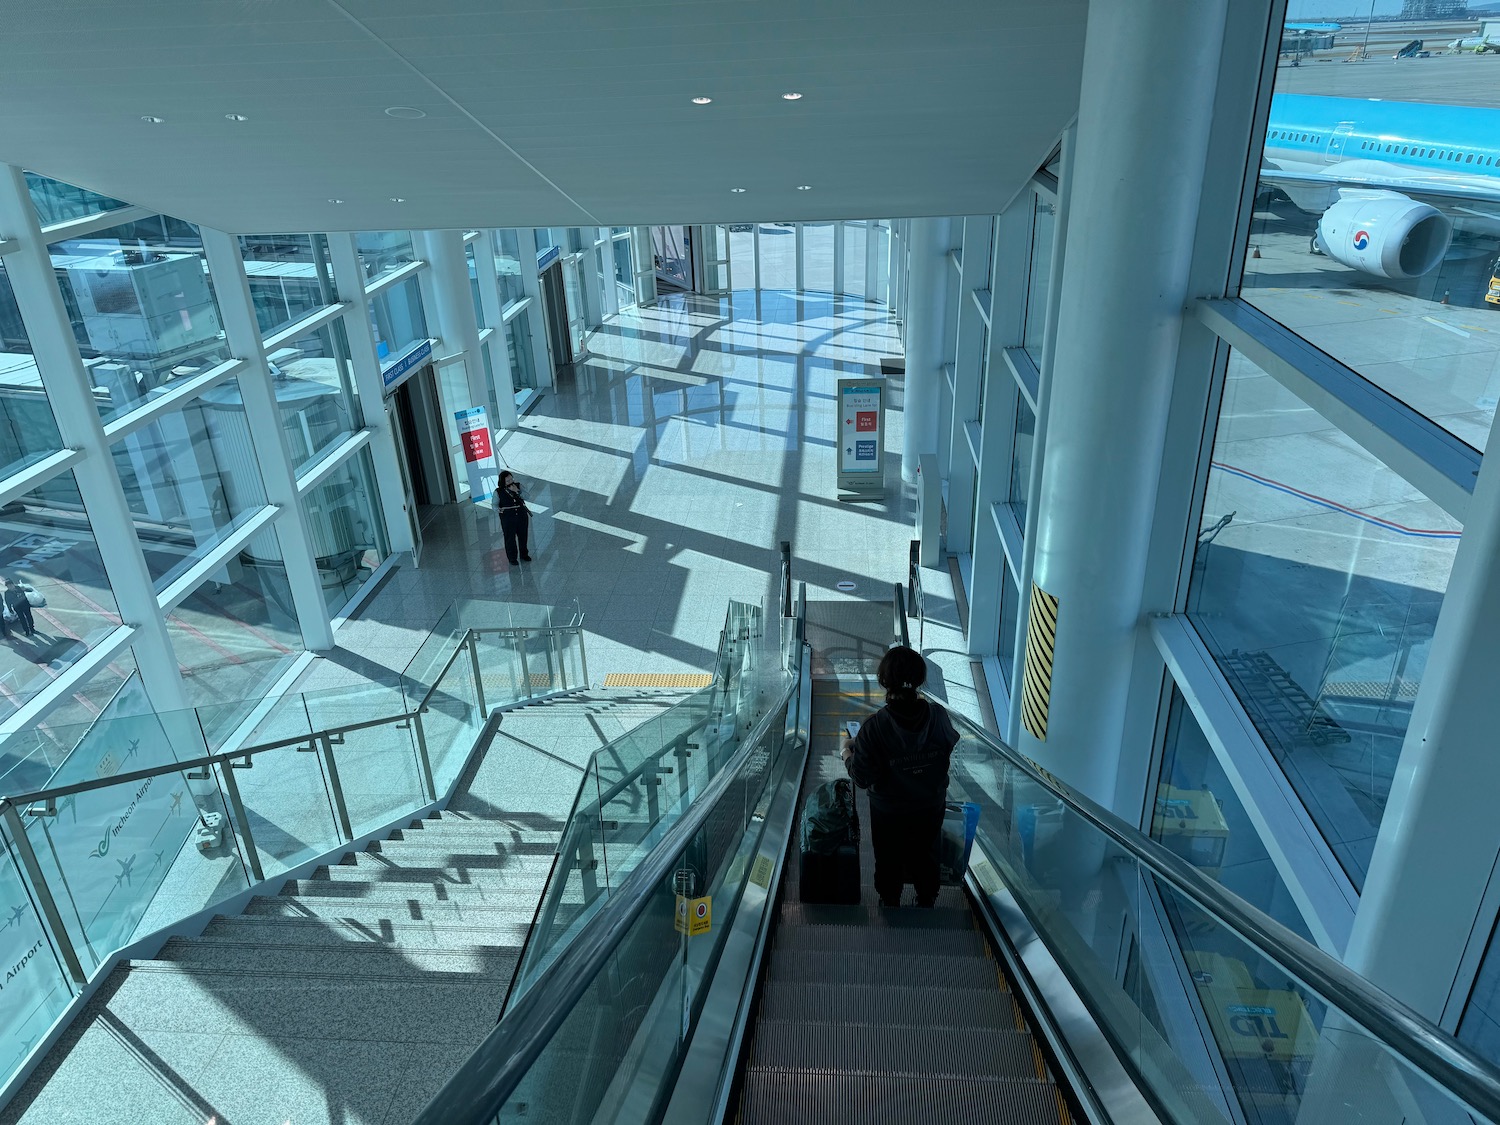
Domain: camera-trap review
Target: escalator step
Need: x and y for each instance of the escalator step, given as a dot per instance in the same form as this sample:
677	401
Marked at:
861	940
913	1052
868	914
821	966
830	1099
881	1003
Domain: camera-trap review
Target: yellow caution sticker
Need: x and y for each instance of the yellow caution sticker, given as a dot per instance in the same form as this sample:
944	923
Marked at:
694	915
1041	644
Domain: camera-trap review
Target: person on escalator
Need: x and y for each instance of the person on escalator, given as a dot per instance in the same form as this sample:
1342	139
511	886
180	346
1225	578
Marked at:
901	756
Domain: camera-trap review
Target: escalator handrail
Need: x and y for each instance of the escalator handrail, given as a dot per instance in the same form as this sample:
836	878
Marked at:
1400	1028
899	632
475	1094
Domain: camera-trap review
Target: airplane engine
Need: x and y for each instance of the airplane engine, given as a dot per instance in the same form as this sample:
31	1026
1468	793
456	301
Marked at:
1384	233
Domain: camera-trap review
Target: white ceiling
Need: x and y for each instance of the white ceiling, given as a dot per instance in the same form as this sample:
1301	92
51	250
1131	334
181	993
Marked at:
539	112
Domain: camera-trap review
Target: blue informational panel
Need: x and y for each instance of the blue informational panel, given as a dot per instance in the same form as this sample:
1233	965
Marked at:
861	437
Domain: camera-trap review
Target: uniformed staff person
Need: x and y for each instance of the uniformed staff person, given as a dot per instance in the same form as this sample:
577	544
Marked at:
515	518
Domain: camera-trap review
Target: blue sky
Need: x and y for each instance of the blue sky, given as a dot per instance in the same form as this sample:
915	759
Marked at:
1326	9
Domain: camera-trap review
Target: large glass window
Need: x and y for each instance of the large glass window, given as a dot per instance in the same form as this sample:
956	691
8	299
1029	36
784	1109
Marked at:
508	267
984	371
142	308
778	255
1020	457
384	251
474	284
290	277
1005	643
397	318
624	271
672	255
49	546
347	535
57	202
1317	581
882	261
190	478
817	257
855	253
28	431
314	382
518	350
1044	223
1374	232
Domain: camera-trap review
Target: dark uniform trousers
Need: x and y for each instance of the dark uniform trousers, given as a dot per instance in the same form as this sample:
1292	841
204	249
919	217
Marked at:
905	842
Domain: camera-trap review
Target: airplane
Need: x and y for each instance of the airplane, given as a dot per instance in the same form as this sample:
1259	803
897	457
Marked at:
177	801
125	866
16	914
134	746
1392	180
1479	44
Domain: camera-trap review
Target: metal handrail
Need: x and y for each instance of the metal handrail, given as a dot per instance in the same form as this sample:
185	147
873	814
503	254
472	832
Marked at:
786	578
1401	1029
491	1074
898	617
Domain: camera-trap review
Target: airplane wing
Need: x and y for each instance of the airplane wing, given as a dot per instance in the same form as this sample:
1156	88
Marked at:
1429	191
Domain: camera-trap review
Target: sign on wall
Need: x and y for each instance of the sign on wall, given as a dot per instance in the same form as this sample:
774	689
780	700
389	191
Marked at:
479	452
861	437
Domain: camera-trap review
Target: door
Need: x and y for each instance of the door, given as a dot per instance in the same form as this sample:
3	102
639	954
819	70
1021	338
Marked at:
554	296
1338	140
399	419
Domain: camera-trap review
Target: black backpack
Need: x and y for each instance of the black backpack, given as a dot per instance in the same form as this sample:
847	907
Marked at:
829	819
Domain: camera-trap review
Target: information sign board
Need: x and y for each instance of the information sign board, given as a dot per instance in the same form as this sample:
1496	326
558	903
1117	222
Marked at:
861	436
479	452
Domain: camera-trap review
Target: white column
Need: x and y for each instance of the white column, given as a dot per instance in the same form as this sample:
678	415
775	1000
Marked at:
1116	352
643	255
531	282
489	300
926	318
263	416
349	277
872	267
457	324
71	397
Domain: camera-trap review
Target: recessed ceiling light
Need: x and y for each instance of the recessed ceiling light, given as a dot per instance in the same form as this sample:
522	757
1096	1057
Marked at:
149	120
804	187
789	97
335	201
702	101
737	190
235	117
398	199
406	112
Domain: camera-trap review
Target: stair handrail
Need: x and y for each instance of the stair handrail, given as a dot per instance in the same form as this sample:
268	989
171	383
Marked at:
475	1094
1401	1029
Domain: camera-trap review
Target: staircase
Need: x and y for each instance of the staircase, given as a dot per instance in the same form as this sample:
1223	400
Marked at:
871	1016
350	996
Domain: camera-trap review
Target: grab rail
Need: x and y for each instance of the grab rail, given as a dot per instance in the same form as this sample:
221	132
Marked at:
1404	1031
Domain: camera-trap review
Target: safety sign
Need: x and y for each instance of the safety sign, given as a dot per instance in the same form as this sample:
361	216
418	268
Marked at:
694	915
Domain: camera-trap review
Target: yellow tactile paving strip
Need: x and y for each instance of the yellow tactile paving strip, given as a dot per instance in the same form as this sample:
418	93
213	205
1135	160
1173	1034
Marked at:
659	679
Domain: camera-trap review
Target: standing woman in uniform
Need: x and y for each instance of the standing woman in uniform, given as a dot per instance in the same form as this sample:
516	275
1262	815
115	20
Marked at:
515	518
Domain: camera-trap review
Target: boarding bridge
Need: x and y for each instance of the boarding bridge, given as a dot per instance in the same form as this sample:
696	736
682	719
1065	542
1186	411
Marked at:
1083	971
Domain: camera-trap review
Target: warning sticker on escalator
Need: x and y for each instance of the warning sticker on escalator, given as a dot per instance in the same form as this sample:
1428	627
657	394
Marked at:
1041	643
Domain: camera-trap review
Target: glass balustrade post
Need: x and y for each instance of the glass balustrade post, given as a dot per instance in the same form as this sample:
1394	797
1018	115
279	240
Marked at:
423	756
583	656
241	821
521	639
651	781
473	643
60	939
325	748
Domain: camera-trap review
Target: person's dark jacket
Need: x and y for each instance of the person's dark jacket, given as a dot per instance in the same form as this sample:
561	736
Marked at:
901	755
508	502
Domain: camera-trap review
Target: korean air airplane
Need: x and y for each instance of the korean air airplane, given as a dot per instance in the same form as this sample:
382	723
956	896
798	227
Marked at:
1392	180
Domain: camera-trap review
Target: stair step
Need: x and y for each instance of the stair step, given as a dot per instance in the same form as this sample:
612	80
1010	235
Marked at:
448	1008
354	959
458	830
520	909
913	1052
493	892
369	868
883	1004
874	917
425	842
269	929
860	940
774	1098
899	970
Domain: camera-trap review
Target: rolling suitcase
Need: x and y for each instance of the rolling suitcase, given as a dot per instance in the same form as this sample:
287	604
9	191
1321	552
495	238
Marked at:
828	870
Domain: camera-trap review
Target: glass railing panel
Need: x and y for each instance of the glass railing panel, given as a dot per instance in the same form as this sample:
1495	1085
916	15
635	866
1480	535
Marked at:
500	668
437	649
289	806
449	725
630	1030
380	775
37	988
576	887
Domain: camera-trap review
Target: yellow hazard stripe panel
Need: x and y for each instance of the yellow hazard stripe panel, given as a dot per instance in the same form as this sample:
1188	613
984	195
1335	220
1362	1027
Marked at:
658	679
1041	643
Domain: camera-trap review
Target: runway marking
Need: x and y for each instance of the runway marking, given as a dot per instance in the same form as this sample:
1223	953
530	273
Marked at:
1446	327
1334	505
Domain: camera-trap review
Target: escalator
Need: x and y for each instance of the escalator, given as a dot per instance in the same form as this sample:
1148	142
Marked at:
1082	973
871	1015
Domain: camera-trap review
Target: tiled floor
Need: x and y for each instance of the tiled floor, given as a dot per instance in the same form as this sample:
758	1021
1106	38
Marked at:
662	477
